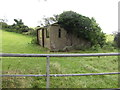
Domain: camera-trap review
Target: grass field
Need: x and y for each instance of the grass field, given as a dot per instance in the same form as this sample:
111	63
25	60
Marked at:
17	43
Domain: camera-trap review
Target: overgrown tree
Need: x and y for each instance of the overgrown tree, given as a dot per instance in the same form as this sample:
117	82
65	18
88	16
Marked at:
82	26
19	26
19	22
3	23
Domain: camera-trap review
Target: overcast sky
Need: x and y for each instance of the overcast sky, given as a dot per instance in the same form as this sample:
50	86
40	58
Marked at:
32	11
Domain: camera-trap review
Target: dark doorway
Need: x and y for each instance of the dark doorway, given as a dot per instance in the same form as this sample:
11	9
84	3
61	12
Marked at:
43	37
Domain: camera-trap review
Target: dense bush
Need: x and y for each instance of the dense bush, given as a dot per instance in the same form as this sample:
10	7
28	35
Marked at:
31	32
82	26
17	27
34	41
3	25
109	46
117	40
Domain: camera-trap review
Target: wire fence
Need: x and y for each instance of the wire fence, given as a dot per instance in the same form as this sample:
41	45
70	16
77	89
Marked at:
48	75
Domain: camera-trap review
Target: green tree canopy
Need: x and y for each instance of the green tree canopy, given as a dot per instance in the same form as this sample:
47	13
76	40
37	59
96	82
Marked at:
3	25
19	22
82	26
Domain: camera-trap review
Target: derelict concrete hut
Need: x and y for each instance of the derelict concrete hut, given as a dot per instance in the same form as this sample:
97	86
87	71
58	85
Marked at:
56	38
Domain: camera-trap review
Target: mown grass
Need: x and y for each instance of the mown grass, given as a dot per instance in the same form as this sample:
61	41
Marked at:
17	43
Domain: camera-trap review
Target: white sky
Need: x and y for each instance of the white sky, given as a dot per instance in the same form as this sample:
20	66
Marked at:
32	11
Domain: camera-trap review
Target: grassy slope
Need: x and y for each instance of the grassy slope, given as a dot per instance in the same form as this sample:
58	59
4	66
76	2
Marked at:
16	43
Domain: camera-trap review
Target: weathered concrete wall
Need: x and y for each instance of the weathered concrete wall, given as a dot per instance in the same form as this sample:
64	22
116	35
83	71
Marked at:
40	37
77	41
56	42
47	40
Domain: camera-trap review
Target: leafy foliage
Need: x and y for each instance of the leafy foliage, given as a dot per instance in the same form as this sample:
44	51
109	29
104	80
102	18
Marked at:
82	26
117	39
18	27
3	25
